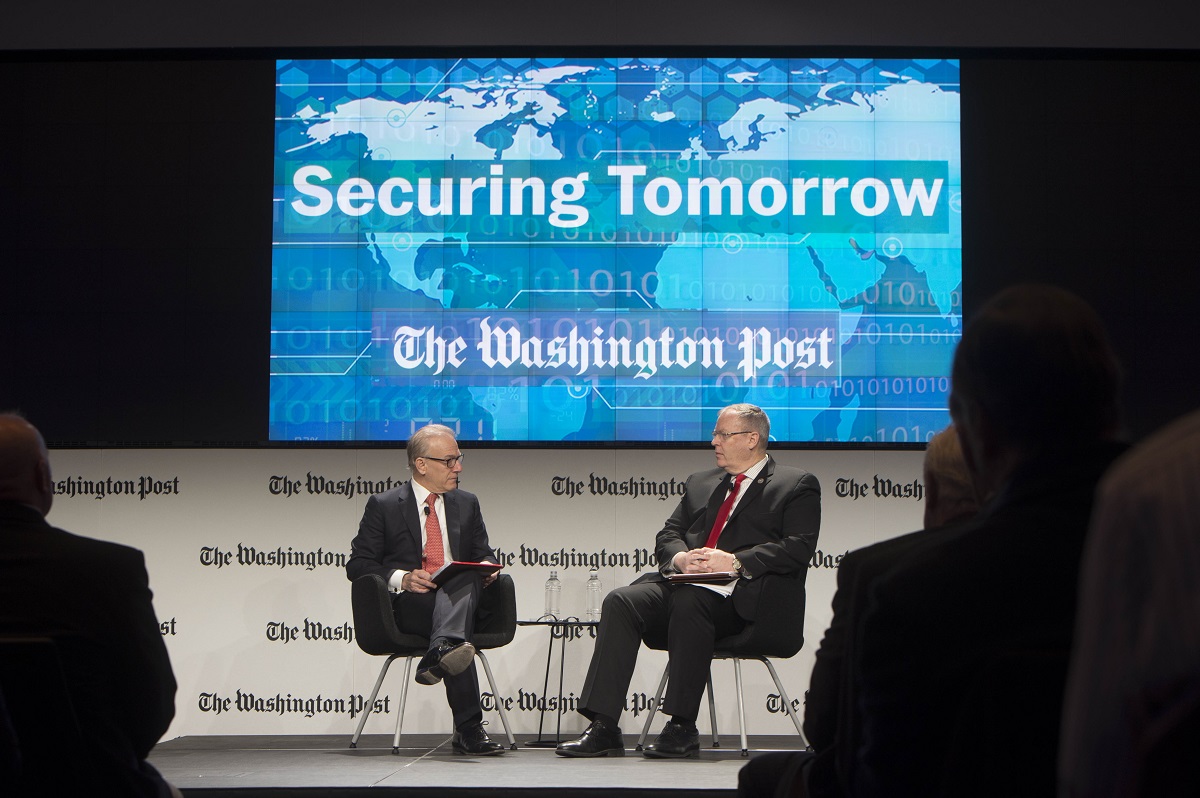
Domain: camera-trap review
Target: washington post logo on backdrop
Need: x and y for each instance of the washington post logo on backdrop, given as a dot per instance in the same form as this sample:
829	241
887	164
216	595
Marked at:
878	487
874	488
336	485
141	488
630	487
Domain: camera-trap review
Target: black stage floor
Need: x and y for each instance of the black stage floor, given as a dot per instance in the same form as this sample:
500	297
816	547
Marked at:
300	766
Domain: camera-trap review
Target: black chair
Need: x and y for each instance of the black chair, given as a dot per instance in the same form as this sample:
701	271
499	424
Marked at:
377	634
778	634
38	724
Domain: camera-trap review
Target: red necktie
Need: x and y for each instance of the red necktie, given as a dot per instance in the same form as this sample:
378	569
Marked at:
723	513
435	555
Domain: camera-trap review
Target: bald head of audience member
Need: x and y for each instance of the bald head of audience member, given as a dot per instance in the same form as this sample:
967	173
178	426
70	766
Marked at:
949	494
1034	376
24	464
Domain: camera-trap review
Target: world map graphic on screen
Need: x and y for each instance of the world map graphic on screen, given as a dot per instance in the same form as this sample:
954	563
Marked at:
612	249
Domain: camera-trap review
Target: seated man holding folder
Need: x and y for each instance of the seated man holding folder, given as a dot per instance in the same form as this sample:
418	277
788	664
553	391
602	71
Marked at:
405	536
751	517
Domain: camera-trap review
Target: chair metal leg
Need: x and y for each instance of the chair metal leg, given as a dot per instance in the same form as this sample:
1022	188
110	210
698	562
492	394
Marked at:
403	699
371	701
487	669
787	702
712	710
712	705
737	675
662	686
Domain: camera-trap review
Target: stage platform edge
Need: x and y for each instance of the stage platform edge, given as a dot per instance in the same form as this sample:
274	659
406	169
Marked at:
299	766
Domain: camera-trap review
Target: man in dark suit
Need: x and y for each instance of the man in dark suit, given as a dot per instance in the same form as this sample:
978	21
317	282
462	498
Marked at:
829	704
960	658
405	535
749	515
93	598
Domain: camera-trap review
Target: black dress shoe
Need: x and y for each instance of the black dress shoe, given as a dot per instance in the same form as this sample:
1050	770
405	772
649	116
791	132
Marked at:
448	659
597	740
474	741
676	742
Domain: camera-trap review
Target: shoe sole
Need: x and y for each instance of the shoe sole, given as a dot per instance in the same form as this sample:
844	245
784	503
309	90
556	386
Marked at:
584	755
452	664
456	660
464	752
651	754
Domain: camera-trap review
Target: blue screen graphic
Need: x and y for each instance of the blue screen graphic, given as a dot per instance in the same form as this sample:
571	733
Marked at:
612	249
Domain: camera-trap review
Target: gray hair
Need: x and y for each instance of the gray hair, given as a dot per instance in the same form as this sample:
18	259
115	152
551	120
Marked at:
419	443
753	417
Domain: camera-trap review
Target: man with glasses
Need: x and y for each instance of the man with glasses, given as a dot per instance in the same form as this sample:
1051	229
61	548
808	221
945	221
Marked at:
749	515
405	535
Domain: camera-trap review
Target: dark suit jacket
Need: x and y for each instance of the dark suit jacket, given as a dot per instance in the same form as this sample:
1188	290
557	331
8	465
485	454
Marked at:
991	607
772	530
94	596
390	533
829	722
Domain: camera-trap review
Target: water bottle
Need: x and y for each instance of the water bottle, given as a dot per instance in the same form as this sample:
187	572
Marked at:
595	596
553	595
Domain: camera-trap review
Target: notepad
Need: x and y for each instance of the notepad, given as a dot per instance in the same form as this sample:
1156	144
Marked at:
457	567
718	577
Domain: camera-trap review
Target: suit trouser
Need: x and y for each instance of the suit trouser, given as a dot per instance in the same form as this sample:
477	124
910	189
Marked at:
690	618
447	613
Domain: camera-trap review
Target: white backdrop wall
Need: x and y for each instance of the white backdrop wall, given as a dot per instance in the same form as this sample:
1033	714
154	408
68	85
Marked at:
246	552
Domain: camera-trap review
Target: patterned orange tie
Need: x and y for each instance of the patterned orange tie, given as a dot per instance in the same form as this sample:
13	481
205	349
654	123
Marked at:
723	513
435	555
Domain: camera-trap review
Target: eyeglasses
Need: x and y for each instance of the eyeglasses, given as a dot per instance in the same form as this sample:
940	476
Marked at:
727	435
449	462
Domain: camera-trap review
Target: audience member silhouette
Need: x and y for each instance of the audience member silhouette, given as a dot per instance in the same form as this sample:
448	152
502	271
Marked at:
1131	720
959	662
93	598
829	706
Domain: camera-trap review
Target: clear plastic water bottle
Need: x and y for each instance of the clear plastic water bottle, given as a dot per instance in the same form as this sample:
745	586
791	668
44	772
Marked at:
553	595
595	596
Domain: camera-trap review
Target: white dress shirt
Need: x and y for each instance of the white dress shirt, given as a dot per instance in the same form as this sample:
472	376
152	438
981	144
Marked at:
420	496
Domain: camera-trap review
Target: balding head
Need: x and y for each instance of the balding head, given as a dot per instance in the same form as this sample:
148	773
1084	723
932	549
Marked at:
24	464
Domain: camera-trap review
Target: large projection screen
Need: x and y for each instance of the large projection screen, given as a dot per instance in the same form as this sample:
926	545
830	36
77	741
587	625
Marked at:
610	249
